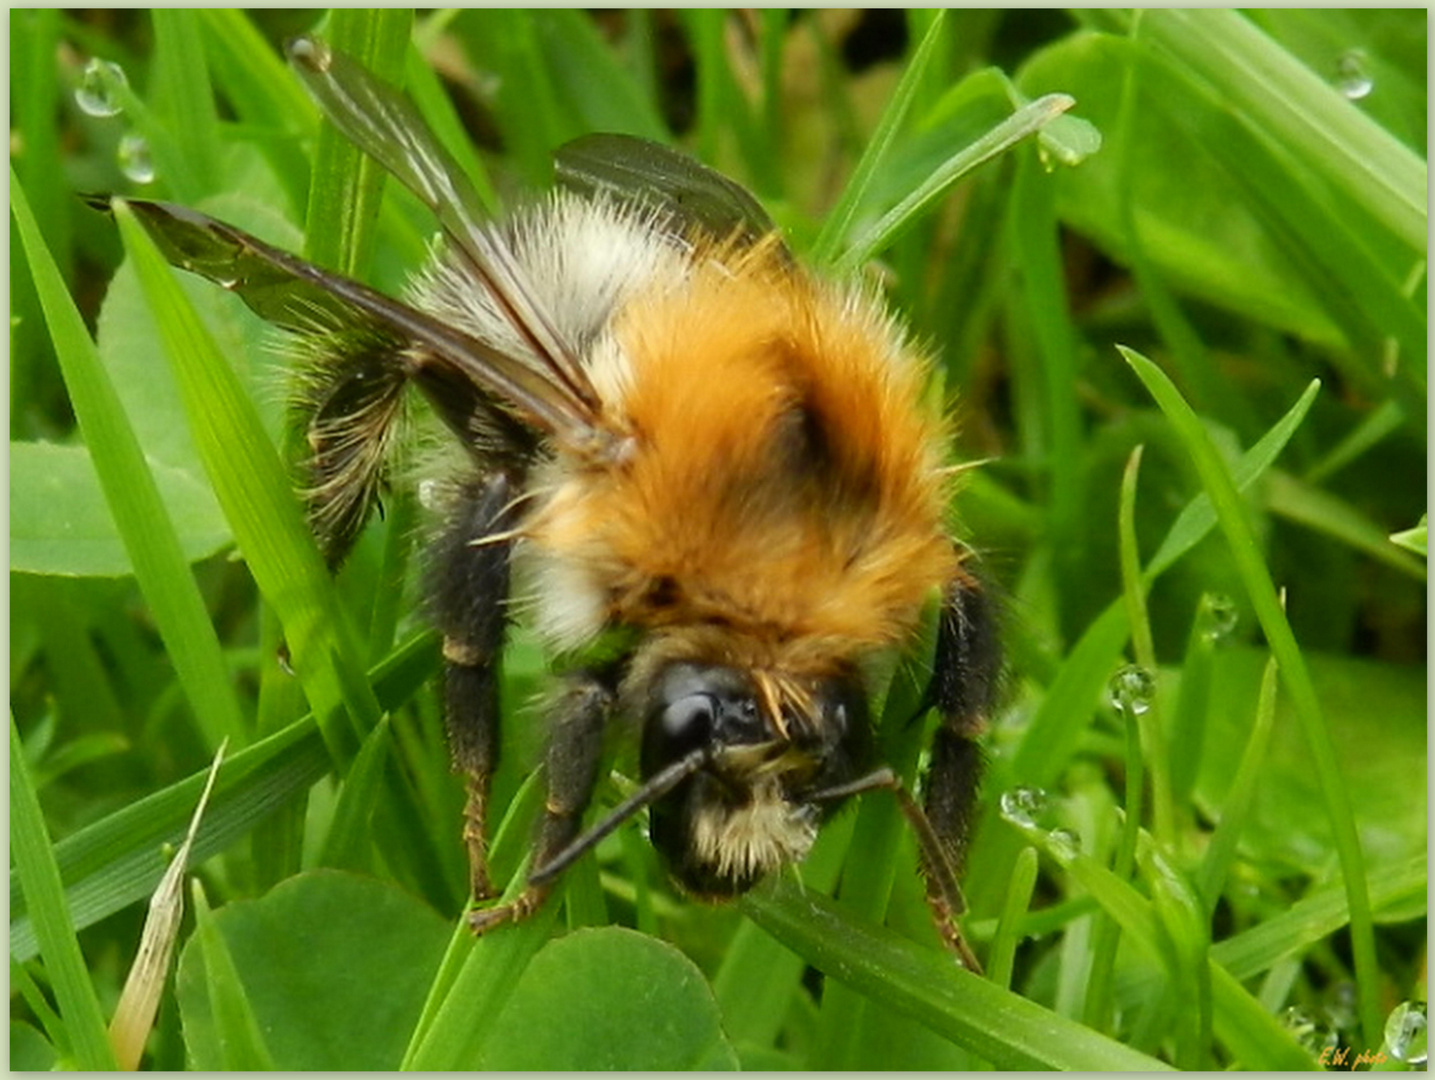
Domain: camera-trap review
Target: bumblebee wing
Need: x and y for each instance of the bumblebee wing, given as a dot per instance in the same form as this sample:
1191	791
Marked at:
385	125
689	193
297	295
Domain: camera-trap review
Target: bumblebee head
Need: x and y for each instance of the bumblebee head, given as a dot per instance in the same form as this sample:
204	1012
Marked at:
750	806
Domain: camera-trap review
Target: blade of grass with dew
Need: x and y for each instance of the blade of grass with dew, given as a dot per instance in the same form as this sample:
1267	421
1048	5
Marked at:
144	524
1399	888
1049	740
925	984
1152	731
837	226
1252	1034
54	932
253	487
1135	720
119	859
1245	552
1025	122
1340	143
240	1036
139	1000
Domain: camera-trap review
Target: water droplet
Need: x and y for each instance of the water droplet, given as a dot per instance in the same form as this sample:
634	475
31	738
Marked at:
1220	614
1341	1008
1063	844
1023	805
1352	74
1314	1036
134	158
98	93
1405	1033
1131	689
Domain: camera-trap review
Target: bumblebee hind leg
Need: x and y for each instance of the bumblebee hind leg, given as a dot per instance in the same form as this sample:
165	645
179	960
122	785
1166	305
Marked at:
963	690
468	584
575	751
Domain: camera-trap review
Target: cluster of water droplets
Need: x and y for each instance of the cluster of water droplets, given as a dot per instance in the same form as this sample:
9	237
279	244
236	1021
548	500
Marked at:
101	93
1028	808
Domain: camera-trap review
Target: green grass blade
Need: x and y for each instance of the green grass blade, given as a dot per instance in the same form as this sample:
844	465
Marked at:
1222	849
55	933
150	540
837	225
234	1021
1231	513
119	859
1277	93
1051	737
926	984
253	487
1300	502
1251	1033
1025	122
1002	953
181	83
1152	743
1317	916
347	185
349	843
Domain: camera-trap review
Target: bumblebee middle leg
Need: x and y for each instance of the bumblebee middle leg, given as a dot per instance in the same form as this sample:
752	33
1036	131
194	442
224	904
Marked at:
468	584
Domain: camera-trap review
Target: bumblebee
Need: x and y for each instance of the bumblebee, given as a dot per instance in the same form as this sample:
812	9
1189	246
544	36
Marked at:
669	429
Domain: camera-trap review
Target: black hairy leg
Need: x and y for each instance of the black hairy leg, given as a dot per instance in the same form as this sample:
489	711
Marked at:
468	585
963	691
579	716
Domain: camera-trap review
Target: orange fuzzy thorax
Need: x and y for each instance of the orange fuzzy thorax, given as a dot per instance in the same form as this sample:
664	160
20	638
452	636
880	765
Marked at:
782	493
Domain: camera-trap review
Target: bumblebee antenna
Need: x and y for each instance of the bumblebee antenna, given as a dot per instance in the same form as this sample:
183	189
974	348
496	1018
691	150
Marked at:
657	785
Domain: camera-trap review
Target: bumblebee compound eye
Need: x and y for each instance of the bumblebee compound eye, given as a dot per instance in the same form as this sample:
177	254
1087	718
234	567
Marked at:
687	723
690	705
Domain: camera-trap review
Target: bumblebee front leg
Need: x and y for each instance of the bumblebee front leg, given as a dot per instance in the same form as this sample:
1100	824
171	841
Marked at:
468	585
574	754
963	689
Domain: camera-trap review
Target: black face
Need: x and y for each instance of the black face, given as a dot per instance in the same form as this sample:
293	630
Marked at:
744	813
